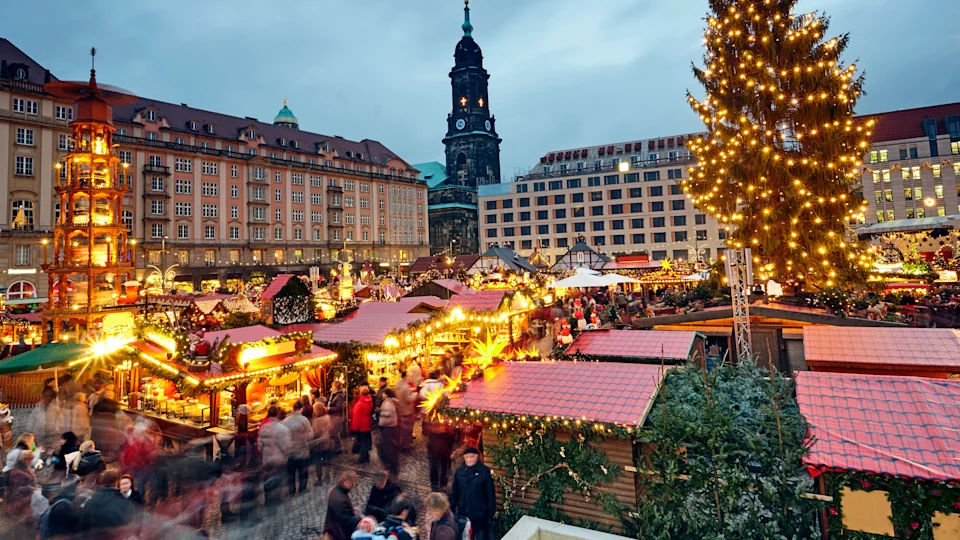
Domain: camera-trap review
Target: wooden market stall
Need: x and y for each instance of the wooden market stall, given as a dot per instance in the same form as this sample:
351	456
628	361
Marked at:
550	416
190	392
22	376
390	335
918	352
647	347
884	448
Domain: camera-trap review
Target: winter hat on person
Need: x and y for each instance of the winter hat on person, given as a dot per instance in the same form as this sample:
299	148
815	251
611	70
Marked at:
471	450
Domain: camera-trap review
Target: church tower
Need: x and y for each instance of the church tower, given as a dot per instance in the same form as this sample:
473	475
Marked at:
472	144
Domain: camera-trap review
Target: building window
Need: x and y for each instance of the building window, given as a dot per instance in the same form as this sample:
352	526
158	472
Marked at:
234	212
258	193
636	223
659	222
209	232
599	240
277	177
64	113
209	210
234	233
656	206
157	231
659	237
638	238
22	215
234	192
24	166
597	226
183	165
278	233
679	221
679	236
184	187
21	290
127	219
22	255
209	189
156	207
63	142
183	209
25	136
156	183
183	232
651	176
878	156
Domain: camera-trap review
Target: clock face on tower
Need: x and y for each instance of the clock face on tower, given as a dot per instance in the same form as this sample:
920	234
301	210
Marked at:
487	125
461	124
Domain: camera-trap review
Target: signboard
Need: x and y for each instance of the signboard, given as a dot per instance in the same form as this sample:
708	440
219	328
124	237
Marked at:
118	324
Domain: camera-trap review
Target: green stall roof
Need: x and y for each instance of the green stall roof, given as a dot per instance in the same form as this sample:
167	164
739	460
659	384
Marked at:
44	357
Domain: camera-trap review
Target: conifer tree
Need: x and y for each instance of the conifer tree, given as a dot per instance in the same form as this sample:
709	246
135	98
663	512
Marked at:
779	161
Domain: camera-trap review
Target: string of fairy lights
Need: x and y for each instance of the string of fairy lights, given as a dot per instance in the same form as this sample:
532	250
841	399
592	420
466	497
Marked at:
782	153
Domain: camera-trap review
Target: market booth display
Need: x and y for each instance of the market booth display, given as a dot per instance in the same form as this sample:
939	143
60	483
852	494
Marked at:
190	387
22	376
885	448
920	352
560	435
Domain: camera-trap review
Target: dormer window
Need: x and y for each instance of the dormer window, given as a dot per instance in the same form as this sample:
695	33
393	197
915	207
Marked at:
283	142
20	74
193	126
349	153
251	134
295	144
359	155
211	129
152	116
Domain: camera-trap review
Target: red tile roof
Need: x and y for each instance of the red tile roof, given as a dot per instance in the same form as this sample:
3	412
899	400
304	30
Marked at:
908	123
477	300
373	321
902	426
634	344
422	264
274	287
241	335
596	391
882	348
454	285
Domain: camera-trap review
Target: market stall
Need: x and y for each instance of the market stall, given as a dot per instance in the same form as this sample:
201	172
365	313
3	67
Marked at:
189	387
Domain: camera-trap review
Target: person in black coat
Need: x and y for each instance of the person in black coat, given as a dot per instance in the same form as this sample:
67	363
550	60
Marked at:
382	495
473	496
68	444
107	509
341	520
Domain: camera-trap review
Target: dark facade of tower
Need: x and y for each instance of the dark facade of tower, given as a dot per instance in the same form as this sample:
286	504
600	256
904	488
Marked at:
472	152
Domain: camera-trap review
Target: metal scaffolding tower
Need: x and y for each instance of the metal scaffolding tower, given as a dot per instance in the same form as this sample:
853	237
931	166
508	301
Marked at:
739	266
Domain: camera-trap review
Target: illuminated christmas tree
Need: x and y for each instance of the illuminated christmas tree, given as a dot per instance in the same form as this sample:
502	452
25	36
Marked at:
778	165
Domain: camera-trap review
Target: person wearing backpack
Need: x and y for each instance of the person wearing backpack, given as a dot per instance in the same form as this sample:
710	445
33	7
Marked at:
62	519
473	494
444	526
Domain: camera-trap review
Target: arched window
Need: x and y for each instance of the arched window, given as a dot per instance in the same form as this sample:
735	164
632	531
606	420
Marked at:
128	220
21	290
21	215
56	213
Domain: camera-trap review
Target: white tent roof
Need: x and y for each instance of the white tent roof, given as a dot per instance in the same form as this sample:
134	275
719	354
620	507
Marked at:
613	279
580	280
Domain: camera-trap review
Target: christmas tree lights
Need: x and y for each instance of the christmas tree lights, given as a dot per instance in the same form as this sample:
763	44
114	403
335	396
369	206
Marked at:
782	152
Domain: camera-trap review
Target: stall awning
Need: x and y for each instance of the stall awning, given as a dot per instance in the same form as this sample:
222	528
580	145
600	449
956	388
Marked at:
43	357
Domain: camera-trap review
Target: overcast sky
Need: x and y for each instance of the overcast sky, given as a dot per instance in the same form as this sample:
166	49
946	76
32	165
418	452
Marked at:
563	73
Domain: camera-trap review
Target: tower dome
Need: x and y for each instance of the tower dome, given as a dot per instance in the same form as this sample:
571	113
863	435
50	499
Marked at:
286	118
468	52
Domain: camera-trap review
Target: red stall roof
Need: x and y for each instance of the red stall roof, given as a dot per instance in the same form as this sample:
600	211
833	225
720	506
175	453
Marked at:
373	321
880	424
477	300
274	287
634	344
890	349
593	391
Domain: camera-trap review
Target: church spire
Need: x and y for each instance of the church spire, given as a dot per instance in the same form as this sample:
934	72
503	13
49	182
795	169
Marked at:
467	27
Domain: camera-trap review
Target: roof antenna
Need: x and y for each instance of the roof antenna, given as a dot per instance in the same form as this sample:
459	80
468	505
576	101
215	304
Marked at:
93	58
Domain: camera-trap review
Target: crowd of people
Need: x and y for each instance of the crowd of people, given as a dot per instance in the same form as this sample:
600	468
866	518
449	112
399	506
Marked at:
92	469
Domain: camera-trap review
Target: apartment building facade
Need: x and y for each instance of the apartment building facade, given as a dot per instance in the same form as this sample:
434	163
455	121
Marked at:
221	197
622	198
913	166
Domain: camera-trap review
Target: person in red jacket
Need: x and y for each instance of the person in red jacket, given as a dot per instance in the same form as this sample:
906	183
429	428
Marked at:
360	423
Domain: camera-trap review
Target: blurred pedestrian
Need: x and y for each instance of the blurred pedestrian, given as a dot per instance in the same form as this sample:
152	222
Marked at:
360	423
128	491
322	444
389	449
74	415
336	405
406	410
401	523
26	442
341	519
301	434
275	442
62	520
68	444
89	461
440	444
107	510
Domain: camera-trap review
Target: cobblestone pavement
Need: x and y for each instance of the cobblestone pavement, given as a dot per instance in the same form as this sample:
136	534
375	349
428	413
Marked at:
297	515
